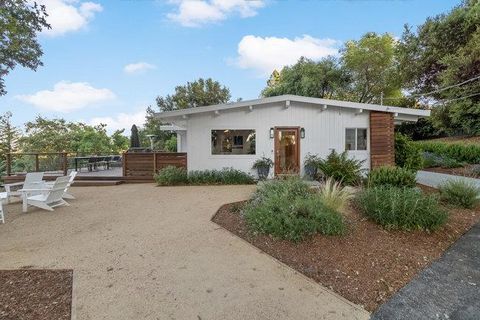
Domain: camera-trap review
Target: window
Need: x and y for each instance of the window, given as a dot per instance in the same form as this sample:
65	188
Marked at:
228	141
355	139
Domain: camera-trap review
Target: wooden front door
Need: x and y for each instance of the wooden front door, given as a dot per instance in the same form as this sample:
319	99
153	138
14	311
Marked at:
287	151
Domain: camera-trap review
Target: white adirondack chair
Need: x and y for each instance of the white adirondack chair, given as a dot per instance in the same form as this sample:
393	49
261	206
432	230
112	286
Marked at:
71	176
48	198
33	180
3	195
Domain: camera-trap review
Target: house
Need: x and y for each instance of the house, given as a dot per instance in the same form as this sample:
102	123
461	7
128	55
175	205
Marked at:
285	129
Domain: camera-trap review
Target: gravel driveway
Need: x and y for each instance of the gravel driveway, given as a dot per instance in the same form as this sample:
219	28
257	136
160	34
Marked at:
145	252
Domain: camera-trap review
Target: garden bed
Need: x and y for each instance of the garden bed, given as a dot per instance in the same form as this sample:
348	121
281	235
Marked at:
462	171
367	265
35	294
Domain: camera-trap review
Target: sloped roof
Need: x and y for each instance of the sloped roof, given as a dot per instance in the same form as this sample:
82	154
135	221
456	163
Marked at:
287	99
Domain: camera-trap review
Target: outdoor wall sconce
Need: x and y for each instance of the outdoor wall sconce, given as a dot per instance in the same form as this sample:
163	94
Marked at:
302	133
272	133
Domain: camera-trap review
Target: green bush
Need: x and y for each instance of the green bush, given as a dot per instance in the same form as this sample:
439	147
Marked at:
407	154
392	176
224	176
459	192
288	209
469	153
171	144
341	168
171	176
402	208
432	160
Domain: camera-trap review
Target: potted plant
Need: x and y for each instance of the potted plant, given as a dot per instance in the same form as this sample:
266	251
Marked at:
263	166
310	165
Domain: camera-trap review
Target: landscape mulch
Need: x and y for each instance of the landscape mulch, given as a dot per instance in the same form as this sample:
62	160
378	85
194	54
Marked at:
35	294
368	264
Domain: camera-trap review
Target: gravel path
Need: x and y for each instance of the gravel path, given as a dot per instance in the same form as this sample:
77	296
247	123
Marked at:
434	179
145	252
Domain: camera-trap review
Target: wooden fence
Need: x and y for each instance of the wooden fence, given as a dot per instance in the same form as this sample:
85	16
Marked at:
146	164
59	161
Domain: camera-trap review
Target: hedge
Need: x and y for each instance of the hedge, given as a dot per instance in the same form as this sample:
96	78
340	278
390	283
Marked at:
469	153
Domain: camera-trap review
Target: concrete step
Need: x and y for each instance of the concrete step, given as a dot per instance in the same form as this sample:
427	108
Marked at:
95	183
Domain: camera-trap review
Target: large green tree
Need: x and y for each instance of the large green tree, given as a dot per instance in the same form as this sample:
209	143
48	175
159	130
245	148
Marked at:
371	65
58	135
20	22
322	79
443	52
9	135
198	93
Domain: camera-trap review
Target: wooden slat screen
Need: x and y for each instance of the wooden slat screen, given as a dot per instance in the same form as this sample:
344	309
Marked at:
382	142
145	164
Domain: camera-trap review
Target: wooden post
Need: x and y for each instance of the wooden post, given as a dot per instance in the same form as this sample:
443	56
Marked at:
124	164
37	163
154	162
65	163
9	164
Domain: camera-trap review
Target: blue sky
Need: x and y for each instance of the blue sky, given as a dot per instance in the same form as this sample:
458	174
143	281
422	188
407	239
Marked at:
106	61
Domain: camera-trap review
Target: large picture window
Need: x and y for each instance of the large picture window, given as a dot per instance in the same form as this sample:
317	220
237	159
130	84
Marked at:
227	141
355	139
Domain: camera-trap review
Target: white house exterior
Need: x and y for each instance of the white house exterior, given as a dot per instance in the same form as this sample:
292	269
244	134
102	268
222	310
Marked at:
283	128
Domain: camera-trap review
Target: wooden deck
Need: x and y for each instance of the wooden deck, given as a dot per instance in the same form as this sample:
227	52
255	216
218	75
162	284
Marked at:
137	167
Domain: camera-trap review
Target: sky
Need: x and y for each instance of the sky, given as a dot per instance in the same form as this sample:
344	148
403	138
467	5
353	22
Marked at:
105	61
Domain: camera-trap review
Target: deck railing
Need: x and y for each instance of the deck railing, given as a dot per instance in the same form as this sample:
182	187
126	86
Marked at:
42	161
146	164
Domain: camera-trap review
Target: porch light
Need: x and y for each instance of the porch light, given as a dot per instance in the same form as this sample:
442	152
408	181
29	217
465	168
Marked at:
272	133
302	133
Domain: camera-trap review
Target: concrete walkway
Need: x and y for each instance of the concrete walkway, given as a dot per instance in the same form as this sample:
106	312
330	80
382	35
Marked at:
434	179
145	252
448	289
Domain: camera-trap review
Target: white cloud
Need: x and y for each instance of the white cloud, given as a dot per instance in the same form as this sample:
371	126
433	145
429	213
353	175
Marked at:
121	121
195	13
269	53
138	67
67	97
68	15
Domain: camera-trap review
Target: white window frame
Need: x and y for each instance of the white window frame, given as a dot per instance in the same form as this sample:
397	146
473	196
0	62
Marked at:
231	155
356	138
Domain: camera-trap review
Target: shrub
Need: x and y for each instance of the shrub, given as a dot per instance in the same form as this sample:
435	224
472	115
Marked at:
341	168
171	144
407	154
334	196
392	176
224	176
460	192
469	153
287	209
431	160
402	208
171	176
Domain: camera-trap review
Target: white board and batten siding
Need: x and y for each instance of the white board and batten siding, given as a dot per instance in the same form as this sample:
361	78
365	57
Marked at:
324	131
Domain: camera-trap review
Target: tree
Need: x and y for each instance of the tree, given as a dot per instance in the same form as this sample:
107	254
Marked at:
371	65
20	21
119	141
134	139
443	52
59	135
198	93
9	135
322	79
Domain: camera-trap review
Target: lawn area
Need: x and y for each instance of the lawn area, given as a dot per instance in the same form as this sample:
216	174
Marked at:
366	265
